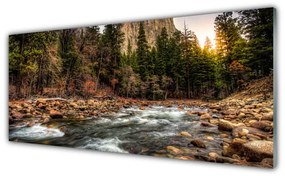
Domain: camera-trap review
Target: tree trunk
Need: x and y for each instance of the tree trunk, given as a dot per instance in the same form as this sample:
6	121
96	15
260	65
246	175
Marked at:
165	96
188	82
98	75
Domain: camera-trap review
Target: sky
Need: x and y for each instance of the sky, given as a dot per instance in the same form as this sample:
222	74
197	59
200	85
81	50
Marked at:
201	25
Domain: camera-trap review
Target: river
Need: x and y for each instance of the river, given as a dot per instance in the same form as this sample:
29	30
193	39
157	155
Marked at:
131	130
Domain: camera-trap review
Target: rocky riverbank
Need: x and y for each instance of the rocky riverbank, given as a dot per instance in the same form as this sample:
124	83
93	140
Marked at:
244	120
42	110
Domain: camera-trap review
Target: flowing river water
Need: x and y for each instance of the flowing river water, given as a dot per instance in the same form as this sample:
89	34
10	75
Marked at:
131	130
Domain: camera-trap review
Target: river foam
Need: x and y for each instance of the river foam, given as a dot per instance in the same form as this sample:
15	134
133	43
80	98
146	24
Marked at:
37	132
106	145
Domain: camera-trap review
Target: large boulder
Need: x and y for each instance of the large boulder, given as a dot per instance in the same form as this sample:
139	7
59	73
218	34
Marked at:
258	150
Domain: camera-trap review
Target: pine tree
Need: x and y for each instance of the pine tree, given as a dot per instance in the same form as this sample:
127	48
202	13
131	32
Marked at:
208	47
226	34
111	47
186	58
257	27
162	59
30	66
70	59
142	53
175	65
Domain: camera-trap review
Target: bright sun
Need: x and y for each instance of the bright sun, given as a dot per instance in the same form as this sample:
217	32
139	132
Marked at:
201	25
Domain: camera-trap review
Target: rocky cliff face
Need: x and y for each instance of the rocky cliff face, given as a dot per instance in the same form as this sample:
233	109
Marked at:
152	30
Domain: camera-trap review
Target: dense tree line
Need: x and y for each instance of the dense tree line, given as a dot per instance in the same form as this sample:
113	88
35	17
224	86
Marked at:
85	62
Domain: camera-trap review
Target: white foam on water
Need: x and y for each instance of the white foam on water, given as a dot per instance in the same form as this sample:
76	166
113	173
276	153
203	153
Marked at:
121	114
121	121
139	119
106	145
37	132
164	121
162	134
153	115
103	120
167	113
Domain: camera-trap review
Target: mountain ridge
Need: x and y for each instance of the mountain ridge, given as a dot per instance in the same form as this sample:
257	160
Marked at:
152	30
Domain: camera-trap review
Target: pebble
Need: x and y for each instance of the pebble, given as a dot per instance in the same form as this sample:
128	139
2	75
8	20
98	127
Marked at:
198	143
185	133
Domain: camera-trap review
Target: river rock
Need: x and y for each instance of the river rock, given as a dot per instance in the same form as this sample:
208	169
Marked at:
200	113
235	147
266	110
54	114
45	120
229	112
224	135
216	158
41	100
262	125
230	117
31	123
174	150
241	115
213	155
42	106
17	115
25	105
205	116
237	132
210	138
253	137
214	121
258	150
83	108
257	116
235	156
267	162
185	157
185	133
267	116
216	107
243	132
191	113
73	104
206	124
71	113
225	125
198	143
180	108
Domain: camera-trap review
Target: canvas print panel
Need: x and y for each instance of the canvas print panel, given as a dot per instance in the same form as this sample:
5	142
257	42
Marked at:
190	88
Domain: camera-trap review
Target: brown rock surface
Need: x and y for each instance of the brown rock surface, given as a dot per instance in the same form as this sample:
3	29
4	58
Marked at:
258	150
